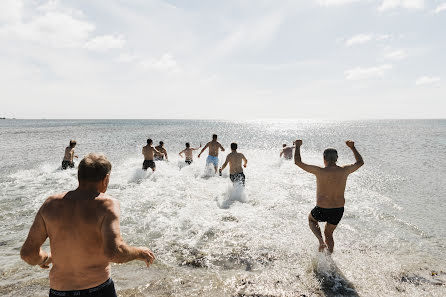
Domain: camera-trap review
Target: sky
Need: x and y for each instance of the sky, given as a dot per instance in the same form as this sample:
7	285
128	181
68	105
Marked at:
245	59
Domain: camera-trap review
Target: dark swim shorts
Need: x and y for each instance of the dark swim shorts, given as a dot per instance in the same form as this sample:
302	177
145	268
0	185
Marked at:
66	164
188	162
148	163
157	158
106	289
329	215
238	177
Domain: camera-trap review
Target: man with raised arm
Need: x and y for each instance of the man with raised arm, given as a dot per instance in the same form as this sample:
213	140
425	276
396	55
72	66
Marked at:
287	152
213	146
84	232
331	181
235	165
148	151
188	152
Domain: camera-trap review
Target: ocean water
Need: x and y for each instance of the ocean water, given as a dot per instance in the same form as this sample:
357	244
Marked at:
213	240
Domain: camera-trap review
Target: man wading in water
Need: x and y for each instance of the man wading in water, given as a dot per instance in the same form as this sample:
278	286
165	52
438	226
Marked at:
213	146
235	165
84	232
331	181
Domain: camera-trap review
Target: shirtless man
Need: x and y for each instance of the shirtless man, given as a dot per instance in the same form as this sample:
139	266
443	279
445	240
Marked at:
331	181
84	232
188	152
69	155
213	146
287	152
148	151
160	152
235	165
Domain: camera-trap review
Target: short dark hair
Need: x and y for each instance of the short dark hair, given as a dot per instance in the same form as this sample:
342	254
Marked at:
284	145
72	143
214	136
187	144
93	168
331	155
149	141
233	146
161	142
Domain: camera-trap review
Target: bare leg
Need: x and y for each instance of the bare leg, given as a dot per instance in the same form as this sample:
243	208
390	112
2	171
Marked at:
314	226
215	168
328	232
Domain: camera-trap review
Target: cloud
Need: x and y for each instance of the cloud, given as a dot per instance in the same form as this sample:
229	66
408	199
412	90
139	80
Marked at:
427	80
367	73
440	8
335	2
105	42
11	11
359	39
396	55
166	64
127	58
407	4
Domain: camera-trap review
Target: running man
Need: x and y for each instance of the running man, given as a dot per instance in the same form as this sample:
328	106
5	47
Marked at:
69	155
331	181
287	152
235	165
188	152
84	233
148	151
213	146
160	152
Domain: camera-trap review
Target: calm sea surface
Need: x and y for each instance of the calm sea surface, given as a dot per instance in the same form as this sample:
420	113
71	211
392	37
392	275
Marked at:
211	240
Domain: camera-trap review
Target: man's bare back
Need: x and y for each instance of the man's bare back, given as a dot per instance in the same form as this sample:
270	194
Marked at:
214	147
235	162
148	151
287	152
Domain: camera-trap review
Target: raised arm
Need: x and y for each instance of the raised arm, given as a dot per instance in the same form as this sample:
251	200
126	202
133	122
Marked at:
297	160
114	246
359	162
194	149
31	251
203	149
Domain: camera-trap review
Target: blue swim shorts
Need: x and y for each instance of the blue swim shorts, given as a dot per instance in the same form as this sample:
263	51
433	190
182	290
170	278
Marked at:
212	160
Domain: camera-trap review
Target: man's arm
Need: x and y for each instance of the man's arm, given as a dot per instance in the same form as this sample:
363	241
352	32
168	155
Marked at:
114	246
297	160
202	150
245	161
224	164
359	161
31	251
281	153
181	153
221	147
165	154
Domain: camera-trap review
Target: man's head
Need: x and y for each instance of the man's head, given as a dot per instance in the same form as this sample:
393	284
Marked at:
284	145
161	143
149	141
233	146
72	143
187	145
330	156
214	136
94	169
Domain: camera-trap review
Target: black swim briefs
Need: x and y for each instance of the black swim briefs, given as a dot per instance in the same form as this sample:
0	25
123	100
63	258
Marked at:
106	289
66	164
238	177
148	163
329	215
188	162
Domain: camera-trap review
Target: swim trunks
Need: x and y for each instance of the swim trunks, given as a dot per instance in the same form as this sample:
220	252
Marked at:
238	177
329	215
148	163
188	162
212	160
66	164
106	289
159	158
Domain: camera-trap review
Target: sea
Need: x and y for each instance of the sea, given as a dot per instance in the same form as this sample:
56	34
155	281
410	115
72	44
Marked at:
213	239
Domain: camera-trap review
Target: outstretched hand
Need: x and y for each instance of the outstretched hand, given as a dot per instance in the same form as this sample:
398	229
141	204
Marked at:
350	144
298	142
147	256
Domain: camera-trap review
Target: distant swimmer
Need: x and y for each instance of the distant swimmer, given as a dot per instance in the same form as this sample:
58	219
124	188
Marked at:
148	151
84	235
188	152
69	155
213	146
235	165
331	181
160	152
287	152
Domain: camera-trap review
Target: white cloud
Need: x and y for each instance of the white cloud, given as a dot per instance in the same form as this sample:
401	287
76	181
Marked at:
367	73
408	4
11	11
105	42
440	8
127	58
427	80
396	55
166	64
335	2
358	39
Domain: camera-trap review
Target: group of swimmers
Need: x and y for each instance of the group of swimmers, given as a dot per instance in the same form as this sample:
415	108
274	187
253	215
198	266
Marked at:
83	224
